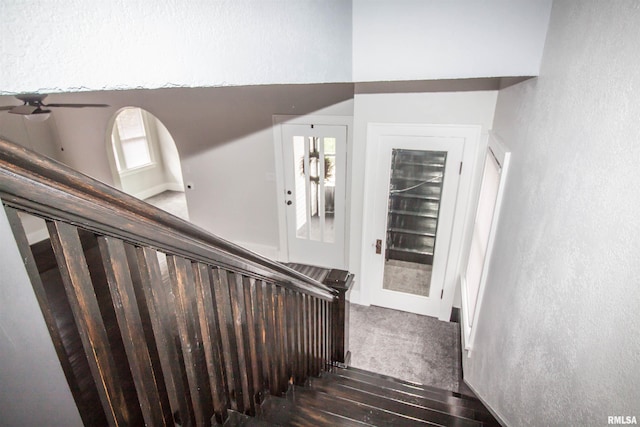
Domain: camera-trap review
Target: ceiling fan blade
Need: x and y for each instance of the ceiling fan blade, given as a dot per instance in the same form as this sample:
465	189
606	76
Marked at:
7	107
75	105
24	110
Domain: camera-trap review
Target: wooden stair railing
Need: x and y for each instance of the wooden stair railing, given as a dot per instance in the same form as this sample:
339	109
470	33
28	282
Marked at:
173	324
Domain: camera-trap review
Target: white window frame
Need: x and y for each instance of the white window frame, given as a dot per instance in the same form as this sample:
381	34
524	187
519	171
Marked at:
497	152
119	153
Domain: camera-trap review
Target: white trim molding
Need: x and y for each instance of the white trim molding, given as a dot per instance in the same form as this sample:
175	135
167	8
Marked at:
278	121
473	279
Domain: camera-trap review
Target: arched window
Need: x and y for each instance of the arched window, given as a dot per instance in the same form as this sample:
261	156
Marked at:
131	146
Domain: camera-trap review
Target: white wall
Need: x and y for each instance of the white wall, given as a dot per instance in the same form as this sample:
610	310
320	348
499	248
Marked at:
58	46
462	108
434	39
163	43
236	191
37	136
170	158
559	332
34	389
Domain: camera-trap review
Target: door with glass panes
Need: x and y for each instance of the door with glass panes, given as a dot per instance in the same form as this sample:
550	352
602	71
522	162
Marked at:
416	186
315	175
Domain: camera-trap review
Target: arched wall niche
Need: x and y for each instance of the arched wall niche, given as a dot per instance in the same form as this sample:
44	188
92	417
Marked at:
144	159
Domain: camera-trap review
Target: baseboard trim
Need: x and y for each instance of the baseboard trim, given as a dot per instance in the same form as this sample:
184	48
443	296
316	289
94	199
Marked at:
150	192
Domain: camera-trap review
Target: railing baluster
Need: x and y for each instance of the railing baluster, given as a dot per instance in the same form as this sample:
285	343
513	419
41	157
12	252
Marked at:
309	340
299	338
251	307
48	313
240	324
272	338
149	338
287	332
124	302
261	332
323	332
314	337
86	312
211	339
227	332
319	335
165	327
334	327
326	334
281	321
309	335
303	339
183	287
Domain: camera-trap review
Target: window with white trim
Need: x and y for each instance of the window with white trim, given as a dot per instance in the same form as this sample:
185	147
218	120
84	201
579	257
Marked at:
130	142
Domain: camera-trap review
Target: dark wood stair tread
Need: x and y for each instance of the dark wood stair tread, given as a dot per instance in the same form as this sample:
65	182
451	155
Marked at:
410	405
417	390
291	411
403	384
315	400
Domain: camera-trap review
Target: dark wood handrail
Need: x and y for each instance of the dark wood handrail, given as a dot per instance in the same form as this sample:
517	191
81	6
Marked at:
43	186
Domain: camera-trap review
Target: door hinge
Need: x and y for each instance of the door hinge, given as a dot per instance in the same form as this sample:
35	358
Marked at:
460	171
441	293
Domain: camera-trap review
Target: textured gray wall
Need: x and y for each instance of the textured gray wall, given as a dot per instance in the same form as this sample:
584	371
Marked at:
33	389
559	333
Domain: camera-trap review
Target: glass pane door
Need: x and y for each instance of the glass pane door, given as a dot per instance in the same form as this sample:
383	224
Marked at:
314	159
415	190
315	178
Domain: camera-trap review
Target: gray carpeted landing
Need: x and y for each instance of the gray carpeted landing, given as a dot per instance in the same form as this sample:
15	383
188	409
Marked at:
407	346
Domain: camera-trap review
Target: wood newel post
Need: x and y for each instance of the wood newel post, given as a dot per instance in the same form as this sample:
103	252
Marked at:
341	281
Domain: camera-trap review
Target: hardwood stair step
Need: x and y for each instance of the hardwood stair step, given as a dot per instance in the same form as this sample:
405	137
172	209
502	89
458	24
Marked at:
397	407
357	372
291	411
410	389
356	398
362	412
410	405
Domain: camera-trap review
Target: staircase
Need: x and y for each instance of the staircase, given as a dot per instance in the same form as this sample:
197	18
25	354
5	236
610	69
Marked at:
157	322
354	397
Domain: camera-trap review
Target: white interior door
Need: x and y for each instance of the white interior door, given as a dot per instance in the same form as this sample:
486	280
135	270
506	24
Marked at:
314	160
415	188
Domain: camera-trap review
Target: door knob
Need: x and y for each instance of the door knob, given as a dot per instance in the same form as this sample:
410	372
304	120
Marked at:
289	202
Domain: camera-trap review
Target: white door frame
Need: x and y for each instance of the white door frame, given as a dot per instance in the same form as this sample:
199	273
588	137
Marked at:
278	121
471	135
